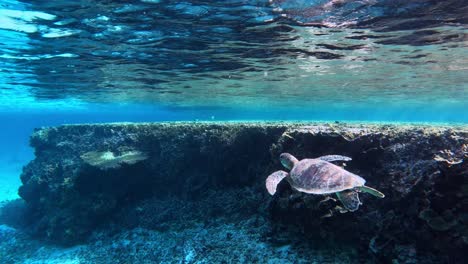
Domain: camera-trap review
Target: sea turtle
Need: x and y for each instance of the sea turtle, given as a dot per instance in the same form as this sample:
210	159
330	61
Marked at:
319	176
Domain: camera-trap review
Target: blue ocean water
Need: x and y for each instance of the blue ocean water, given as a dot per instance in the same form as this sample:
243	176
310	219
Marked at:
112	61
67	61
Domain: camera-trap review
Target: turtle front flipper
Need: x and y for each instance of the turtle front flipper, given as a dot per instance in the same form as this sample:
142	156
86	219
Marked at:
274	179
334	158
372	191
349	199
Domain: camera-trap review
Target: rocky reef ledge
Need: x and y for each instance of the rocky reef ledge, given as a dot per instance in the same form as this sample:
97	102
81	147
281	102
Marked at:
195	192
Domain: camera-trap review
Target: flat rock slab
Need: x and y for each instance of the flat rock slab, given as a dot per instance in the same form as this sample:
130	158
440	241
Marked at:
85	176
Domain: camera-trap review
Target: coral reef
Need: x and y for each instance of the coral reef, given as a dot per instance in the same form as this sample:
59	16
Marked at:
204	183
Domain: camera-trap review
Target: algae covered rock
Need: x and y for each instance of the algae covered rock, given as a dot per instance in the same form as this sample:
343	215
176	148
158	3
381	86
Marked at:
437	222
86	176
108	160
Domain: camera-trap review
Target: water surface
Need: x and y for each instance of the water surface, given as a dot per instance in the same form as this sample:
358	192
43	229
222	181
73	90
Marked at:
339	60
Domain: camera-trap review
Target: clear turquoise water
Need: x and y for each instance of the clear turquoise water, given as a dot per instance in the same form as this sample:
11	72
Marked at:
110	61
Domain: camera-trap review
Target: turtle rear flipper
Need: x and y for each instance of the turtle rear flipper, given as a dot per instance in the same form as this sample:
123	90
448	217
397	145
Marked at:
274	179
372	191
334	158
350	199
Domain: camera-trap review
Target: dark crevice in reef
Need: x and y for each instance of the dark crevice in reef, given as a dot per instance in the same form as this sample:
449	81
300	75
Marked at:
181	176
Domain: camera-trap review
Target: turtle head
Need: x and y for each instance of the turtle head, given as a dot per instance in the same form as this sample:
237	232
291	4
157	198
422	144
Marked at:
288	160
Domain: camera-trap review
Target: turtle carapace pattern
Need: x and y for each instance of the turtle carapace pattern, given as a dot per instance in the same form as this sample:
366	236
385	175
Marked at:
319	176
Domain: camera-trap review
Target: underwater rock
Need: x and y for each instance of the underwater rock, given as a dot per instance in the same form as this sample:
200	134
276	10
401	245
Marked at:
173	176
436	221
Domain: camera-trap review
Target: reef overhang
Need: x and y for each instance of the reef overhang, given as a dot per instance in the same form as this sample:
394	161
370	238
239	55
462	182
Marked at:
90	174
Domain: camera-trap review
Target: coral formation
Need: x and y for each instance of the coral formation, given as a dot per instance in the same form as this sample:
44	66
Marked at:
186	179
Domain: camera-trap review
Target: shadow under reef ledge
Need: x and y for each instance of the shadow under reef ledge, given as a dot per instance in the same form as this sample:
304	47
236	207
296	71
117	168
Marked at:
120	188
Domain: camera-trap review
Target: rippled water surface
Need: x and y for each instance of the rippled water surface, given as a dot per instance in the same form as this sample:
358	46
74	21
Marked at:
392	60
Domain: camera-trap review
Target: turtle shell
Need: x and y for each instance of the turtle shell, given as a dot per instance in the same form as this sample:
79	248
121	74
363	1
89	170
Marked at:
321	177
